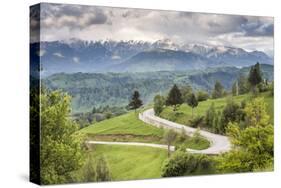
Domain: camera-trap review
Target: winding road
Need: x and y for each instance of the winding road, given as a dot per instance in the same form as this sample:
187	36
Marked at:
218	143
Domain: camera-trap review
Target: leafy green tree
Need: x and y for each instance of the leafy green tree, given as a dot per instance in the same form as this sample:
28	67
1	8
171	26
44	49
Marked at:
135	102
202	96
253	145
217	125
102	170
218	91
235	89
159	102
61	151
243	85
185	91
174	97
255	76
231	113
192	102
182	163
169	138
210	115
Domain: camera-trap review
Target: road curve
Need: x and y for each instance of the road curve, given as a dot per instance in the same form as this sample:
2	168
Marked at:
219	144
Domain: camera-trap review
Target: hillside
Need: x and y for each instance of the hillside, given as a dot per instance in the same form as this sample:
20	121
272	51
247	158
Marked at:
128	128
114	89
183	115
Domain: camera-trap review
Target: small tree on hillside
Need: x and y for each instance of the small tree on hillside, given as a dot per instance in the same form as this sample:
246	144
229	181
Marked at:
135	102
255	77
192	102
174	97
102	170
243	85
218	91
169	137
210	115
202	96
159	102
235	89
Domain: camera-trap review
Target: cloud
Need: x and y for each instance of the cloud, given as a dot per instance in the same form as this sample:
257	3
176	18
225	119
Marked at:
57	54
62	22
76	60
71	16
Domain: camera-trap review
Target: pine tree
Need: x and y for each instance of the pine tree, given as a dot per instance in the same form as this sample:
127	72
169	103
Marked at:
135	102
255	76
174	97
192	102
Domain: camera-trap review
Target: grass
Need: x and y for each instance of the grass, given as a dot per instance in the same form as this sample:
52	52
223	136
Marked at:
183	115
126	127
129	162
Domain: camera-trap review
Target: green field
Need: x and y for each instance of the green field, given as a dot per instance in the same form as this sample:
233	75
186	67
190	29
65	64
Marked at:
183	115
130	162
128	128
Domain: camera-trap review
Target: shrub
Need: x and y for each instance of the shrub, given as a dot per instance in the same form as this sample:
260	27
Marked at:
183	163
196	122
202	96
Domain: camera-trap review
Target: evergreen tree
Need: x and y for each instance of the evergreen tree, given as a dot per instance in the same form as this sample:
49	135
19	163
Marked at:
255	76
218	91
135	102
192	102
174	97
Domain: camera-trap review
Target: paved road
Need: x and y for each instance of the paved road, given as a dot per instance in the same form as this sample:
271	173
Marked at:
219	143
162	146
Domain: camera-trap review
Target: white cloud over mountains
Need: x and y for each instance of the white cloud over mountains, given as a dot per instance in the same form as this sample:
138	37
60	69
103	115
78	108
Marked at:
62	22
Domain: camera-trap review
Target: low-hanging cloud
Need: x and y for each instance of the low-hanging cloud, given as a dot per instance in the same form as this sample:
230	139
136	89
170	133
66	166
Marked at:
62	22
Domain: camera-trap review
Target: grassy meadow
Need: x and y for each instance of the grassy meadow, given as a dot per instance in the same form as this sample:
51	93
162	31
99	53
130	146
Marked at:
129	162
183	114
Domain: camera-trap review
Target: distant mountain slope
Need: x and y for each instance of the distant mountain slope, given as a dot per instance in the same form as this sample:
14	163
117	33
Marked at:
114	89
139	56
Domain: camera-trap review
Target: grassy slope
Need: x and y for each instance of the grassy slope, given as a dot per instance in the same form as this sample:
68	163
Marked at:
127	124
129	162
128	127
183	115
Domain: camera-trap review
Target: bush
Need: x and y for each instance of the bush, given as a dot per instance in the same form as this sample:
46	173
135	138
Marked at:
202	96
183	163
196	122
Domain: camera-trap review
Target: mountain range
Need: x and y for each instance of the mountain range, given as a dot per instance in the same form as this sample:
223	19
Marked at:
138	56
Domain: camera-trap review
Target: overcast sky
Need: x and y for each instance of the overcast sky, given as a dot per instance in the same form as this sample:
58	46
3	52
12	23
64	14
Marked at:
62	22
